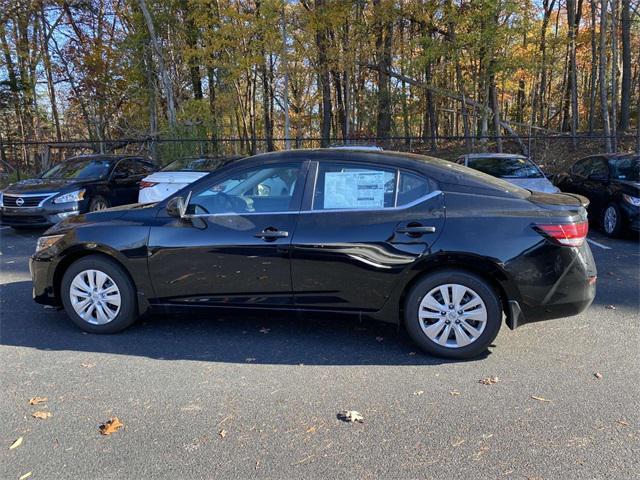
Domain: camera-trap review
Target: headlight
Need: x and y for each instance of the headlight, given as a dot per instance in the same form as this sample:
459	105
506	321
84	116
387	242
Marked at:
632	200
46	242
74	196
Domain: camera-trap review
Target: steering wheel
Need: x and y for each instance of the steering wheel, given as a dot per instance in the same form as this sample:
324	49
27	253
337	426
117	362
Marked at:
222	203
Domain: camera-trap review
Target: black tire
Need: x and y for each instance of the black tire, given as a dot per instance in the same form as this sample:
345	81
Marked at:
613	230
128	312
450	276
98	203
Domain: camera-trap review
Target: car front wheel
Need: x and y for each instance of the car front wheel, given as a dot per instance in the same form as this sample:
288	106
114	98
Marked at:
98	295
612	221
453	314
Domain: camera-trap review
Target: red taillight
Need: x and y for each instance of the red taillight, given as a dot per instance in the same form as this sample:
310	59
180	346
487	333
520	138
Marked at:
145	184
569	234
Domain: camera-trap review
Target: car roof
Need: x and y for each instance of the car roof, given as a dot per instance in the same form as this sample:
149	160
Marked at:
457	177
107	156
492	155
612	156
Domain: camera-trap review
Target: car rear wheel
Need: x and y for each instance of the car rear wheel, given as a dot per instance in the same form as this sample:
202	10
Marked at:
98	295
98	203
612	221
453	314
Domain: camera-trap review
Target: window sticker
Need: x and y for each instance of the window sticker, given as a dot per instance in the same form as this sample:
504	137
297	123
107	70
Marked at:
353	190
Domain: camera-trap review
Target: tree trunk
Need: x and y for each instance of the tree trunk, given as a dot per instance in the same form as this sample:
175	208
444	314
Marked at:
191	38
602	69
46	57
593	90
614	75
164	75
383	52
323	77
625	100
574	14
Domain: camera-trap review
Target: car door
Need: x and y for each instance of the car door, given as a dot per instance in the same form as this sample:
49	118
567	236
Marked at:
124	182
596	180
232	247
362	225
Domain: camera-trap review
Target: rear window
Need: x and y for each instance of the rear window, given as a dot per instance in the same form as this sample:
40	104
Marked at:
513	167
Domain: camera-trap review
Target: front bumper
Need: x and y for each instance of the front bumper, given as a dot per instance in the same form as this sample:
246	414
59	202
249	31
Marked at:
632	216
42	269
44	216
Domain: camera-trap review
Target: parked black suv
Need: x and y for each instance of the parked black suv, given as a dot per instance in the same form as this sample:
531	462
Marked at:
82	184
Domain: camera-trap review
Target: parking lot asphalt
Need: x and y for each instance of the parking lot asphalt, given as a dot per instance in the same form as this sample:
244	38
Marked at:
257	396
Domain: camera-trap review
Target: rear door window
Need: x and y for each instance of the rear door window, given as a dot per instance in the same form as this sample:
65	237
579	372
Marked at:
354	187
411	188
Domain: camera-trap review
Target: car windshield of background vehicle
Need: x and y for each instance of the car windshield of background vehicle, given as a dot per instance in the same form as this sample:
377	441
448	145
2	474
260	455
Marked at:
506	167
80	169
626	168
194	165
261	190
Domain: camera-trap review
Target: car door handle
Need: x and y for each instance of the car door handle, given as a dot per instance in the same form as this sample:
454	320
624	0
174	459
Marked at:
271	234
416	229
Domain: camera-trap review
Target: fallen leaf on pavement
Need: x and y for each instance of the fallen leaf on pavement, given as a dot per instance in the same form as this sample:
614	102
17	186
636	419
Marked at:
457	443
41	415
622	422
489	380
87	365
222	433
110	426
37	400
16	444
350	416
311	429
250	359
26	475
598	375
419	392
454	393
265	330
540	399
610	307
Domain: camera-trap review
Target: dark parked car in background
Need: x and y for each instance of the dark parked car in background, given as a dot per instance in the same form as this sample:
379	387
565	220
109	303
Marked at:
443	249
611	182
513	168
81	184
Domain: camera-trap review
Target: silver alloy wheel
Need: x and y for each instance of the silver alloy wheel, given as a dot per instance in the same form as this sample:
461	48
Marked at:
452	315
99	205
95	297
610	219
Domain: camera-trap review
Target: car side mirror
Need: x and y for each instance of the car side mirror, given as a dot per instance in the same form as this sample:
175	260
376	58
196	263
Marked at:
176	207
119	176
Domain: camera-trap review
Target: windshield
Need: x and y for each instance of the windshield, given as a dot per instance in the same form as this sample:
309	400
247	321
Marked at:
625	168
513	167
79	168
195	164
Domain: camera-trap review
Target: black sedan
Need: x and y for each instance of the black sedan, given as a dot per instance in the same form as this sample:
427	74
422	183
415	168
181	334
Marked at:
82	184
402	238
611	182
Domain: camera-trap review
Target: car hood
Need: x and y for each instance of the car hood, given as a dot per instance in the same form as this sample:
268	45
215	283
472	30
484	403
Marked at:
43	185
175	177
102	216
534	184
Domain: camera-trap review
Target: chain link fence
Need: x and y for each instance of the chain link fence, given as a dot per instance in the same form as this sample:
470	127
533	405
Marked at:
553	152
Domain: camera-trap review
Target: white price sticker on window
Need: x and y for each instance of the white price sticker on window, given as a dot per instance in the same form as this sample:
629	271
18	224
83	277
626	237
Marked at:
353	190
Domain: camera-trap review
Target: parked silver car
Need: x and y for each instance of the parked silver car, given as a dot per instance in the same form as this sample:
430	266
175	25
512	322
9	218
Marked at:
517	169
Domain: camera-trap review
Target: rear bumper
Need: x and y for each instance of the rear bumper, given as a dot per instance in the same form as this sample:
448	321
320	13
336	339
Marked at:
566	286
